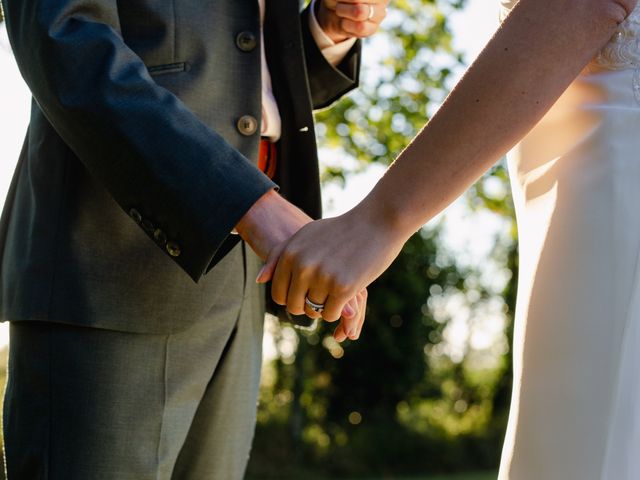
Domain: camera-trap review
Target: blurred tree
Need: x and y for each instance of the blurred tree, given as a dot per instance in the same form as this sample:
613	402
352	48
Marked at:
4	354
392	402
403	79
395	401
375	386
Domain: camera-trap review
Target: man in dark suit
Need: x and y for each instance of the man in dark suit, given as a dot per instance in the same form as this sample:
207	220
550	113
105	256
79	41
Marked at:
136	323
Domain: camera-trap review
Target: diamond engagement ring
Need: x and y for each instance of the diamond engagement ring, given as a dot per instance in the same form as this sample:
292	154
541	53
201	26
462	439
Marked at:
372	11
316	307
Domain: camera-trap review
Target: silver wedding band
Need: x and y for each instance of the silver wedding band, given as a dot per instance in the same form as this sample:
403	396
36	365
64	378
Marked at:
372	12
316	307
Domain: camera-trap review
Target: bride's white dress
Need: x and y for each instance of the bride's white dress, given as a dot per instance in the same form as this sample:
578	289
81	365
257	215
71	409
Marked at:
576	185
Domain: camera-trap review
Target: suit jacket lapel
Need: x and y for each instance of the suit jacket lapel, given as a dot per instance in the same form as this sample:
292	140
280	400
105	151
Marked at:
285	57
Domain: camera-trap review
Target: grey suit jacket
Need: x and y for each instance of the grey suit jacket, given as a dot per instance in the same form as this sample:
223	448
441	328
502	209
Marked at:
137	165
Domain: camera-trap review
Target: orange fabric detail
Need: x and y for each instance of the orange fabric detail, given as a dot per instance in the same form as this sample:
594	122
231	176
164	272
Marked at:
268	158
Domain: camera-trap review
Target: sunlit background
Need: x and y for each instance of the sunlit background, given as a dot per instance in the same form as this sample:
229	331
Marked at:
473	316
469	234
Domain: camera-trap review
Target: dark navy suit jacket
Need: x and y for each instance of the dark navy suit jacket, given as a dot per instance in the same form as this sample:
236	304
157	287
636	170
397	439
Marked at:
134	133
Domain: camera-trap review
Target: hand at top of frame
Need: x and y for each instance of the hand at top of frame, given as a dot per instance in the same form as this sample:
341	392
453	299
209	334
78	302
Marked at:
332	261
343	19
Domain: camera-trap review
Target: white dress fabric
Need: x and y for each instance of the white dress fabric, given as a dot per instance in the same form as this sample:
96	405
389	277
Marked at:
575	413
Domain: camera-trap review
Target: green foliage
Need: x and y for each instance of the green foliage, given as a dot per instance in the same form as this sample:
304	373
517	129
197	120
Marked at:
399	88
394	402
390	403
4	354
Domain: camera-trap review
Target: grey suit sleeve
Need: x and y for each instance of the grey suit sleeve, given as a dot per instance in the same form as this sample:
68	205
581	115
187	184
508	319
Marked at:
328	83
139	140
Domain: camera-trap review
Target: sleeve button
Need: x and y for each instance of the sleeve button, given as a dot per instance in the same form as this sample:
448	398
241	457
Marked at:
160	237
135	215
173	249
147	226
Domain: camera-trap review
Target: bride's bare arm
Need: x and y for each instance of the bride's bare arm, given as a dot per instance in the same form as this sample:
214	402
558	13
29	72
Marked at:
539	50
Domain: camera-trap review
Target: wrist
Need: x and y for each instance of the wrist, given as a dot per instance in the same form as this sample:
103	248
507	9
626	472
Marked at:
270	221
384	219
251	220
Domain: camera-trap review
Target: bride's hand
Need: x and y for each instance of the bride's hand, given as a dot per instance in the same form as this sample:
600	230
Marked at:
331	262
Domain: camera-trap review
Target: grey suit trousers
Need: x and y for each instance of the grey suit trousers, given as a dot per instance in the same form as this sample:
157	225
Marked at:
85	403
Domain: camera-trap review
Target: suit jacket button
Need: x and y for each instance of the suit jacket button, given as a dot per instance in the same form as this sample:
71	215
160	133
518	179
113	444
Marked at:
247	125
173	249
246	41
160	237
135	215
147	226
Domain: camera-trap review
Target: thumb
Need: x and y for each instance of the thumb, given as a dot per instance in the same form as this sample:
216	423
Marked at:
266	272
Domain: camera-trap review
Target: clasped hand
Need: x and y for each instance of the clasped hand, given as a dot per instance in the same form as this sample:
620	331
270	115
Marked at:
304	270
331	262
267	227
344	19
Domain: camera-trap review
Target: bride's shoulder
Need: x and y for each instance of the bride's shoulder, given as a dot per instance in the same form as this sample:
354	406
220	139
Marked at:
623	50
505	7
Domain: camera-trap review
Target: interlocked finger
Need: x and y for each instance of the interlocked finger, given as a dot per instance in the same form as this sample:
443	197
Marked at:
339	333
359	304
333	309
296	296
280	283
362	310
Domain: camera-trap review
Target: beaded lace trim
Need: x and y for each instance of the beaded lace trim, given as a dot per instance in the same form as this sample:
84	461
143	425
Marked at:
623	51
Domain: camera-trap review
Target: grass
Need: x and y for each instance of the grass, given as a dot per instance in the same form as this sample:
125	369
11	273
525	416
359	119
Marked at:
457	476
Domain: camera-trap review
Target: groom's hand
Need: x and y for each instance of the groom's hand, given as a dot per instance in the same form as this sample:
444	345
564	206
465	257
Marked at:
270	222
351	327
344	19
